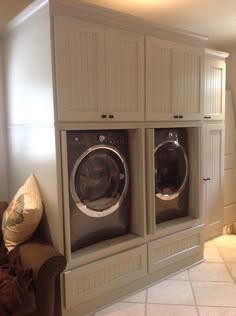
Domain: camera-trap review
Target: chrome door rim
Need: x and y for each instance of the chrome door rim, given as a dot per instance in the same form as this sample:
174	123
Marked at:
167	197
81	206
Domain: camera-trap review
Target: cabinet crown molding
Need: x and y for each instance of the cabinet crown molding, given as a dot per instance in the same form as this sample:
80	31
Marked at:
112	18
216	53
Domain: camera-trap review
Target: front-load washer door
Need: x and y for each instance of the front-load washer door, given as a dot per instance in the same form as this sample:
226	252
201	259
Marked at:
171	170
99	181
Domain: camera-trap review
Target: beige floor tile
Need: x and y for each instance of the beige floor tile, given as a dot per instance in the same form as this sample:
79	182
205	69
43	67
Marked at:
139	297
210	271
228	254
123	309
171	292
215	293
210	244
227	241
217	311
171	310
232	268
180	276
212	255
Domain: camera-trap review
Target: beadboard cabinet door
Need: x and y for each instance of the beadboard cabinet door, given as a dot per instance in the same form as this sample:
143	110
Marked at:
99	72
188	87
213	179
125	75
214	108
80	73
174	74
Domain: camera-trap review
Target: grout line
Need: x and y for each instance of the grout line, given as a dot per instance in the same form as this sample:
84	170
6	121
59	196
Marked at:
190	281
146	302
218	248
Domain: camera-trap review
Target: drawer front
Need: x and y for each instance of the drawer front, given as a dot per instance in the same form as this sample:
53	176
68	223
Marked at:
168	250
97	278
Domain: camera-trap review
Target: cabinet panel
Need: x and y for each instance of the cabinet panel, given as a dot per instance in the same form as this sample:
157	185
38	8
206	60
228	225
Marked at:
80	76
171	249
159	79
213	179
215	89
125	75
189	90
174	74
100	277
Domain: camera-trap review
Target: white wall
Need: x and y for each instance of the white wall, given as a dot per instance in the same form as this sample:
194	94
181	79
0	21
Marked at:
3	149
230	137
231	72
10	8
30	112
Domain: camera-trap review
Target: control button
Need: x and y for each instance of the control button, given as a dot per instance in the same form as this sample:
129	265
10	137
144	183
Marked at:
101	138
76	139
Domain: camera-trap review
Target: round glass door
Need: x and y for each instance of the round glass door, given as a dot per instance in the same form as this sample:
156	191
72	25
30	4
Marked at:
99	181
171	170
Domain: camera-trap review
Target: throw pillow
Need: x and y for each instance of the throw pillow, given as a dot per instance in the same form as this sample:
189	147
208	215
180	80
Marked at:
23	214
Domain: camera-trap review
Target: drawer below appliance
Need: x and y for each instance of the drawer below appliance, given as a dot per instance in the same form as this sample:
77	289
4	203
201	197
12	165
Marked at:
100	277
176	247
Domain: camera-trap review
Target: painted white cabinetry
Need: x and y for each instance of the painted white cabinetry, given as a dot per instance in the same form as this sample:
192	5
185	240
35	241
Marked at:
214	107
213	179
99	72
174	76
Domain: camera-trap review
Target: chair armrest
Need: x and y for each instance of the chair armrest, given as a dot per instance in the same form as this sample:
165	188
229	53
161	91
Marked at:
46	264
3	207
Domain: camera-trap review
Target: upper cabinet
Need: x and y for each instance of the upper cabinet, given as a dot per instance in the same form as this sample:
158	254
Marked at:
99	72
214	103
174	81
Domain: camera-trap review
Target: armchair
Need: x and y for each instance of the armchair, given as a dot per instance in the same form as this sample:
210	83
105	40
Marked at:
46	264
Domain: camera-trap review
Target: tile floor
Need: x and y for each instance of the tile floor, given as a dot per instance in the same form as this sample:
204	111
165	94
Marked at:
207	289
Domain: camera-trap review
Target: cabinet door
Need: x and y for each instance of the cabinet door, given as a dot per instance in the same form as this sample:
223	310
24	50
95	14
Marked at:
80	71
174	75
214	107
188	87
213	182
160	77
125	75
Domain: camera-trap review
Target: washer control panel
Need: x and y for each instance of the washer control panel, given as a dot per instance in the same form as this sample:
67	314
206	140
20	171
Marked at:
110	139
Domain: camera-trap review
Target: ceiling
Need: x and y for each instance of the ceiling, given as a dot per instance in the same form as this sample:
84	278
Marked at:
215	19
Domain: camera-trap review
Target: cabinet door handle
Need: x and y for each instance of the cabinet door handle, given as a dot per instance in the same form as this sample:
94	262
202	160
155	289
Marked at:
207	117
111	116
208	179
181	116
176	116
204	179
103	116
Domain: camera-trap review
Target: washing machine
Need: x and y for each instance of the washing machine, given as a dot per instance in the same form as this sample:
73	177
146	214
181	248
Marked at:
98	169
171	173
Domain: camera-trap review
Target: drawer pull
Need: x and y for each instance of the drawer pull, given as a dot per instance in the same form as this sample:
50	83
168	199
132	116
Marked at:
103	116
111	116
181	116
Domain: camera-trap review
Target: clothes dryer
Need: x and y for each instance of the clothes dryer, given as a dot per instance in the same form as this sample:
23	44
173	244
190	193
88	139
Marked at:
98	168
171	173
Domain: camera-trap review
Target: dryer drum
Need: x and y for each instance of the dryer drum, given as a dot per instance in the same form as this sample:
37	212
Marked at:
171	169
99	181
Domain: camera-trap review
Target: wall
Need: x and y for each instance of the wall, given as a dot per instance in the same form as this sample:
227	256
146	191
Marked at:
3	149
231	72
230	137
8	9
30	111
